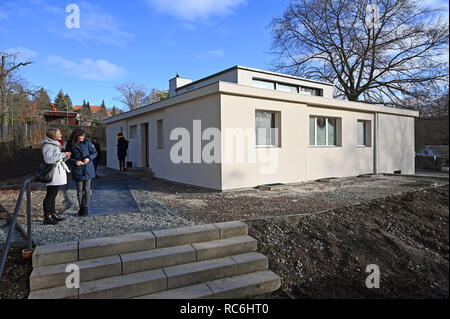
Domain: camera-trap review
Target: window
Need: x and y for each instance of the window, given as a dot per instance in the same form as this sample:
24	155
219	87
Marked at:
267	128
310	91
159	134
292	88
133	131
287	88
363	133
322	131
263	84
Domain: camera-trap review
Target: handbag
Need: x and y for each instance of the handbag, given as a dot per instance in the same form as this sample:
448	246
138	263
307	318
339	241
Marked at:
45	172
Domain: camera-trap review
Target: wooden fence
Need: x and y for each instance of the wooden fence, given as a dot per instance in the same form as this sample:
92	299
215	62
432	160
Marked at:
22	135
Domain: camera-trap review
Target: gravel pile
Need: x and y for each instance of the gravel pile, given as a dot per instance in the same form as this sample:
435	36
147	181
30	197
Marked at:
153	215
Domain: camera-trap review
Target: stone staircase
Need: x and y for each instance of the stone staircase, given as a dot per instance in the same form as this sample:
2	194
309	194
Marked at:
203	261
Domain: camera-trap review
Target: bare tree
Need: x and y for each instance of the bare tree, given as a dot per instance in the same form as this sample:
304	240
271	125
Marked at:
7	67
133	94
137	95
404	53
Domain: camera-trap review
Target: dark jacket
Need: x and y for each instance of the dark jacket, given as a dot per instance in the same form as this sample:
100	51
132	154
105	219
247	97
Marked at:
79	153
99	151
122	146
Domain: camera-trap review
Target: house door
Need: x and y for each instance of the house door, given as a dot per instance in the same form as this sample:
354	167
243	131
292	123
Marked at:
145	149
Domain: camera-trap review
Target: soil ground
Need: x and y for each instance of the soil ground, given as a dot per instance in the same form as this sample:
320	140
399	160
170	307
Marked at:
319	236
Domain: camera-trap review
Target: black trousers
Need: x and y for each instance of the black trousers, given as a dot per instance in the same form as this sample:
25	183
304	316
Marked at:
49	200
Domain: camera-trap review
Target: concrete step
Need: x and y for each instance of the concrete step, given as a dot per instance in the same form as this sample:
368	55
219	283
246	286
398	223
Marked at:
92	269
109	246
183	254
104	267
202	261
242	286
157	280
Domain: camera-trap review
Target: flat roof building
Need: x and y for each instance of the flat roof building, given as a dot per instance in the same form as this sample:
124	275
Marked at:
245	127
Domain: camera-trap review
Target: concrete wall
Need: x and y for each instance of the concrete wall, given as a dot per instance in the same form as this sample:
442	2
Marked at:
295	160
396	144
226	106
229	76
346	159
206	109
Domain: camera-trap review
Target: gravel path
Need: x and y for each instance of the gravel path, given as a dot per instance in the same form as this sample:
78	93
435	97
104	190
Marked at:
152	215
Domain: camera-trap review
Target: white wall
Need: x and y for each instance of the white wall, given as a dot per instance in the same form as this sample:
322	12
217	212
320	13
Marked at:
396	144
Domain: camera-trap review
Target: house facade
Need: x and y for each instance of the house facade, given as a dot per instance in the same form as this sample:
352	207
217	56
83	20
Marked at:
245	127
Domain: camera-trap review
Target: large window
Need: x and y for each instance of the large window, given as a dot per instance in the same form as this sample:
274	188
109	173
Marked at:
263	84
291	88
287	88
310	91
322	131
267	128
160	134
363	133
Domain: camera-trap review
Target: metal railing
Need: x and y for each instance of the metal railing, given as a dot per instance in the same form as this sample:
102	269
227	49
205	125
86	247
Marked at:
26	184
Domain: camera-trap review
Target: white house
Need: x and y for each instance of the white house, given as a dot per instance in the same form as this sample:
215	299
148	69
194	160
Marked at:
245	127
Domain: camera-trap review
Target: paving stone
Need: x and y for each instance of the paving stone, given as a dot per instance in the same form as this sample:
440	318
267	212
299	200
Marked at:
157	258
194	273
125	286
186	235
55	254
199	291
245	286
224	247
250	262
109	246
92	269
232	229
55	293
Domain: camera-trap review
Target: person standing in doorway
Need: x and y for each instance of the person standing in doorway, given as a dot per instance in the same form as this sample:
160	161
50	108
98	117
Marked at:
99	157
53	154
83	171
122	146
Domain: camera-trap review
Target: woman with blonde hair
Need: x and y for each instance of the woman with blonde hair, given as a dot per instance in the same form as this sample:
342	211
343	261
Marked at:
53	154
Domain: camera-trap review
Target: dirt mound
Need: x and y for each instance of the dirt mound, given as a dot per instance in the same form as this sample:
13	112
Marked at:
326	255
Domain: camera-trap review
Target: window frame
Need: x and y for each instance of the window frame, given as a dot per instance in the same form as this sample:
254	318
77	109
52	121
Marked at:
132	131
336	123
276	119
367	133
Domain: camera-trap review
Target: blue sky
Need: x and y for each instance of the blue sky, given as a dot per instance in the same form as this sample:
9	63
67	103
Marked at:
145	41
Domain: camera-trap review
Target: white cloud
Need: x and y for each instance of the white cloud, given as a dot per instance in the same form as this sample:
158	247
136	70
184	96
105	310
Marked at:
95	25
87	68
23	54
191	10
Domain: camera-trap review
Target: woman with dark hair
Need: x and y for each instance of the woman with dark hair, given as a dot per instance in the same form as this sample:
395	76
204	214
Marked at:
83	154
52	154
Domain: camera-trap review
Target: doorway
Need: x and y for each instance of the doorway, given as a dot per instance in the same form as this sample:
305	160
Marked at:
145	149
